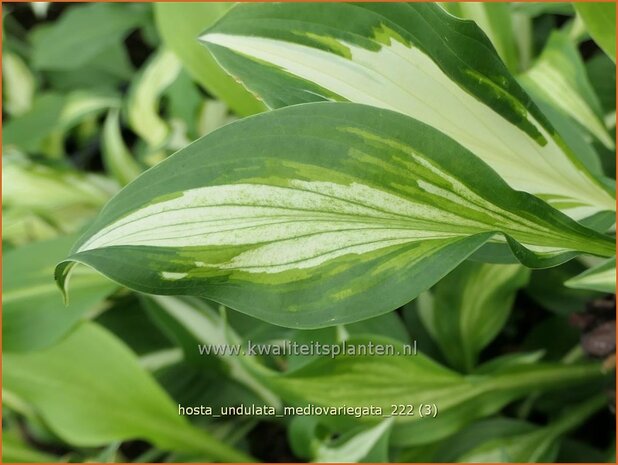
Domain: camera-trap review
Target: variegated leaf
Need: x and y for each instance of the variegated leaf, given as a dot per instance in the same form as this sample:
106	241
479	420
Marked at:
19	84
143	103
116	156
559	77
539	444
318	214
468	308
600	278
352	379
497	20
415	59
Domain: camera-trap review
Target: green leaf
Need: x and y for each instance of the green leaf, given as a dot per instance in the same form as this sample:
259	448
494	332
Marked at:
82	33
257	330
415	59
339	212
127	319
539	8
508	361
91	390
28	131
54	195
469	308
22	226
417	330
16	450
559	77
44	188
116	156
356	380
312	441
190	385
80	104
539	445
600	278
363	445
578	139
192	322
184	102
304	435
496	20
600	19
107	70
179	25
387	325
473	435
52	115
213	115
143	104
18	84
602	75
34	315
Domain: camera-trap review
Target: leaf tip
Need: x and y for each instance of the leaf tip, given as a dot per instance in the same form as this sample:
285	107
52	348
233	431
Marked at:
62	274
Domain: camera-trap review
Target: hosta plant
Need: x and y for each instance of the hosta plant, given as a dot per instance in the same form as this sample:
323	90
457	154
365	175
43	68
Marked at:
334	212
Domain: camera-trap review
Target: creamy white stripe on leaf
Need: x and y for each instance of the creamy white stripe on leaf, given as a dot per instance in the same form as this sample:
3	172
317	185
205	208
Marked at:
600	278
318	214
559	76
402	65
